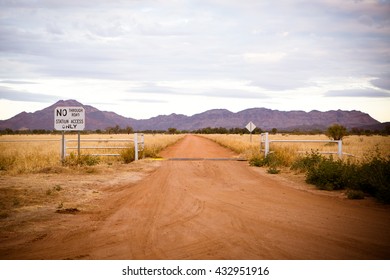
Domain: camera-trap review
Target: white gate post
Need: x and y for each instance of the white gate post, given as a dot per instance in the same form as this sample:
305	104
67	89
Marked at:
135	146
266	149
143	145
78	144
340	148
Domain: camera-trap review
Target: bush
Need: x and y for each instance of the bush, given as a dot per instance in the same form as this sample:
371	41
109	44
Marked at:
151	151
256	160
127	155
371	177
355	194
271	160
82	160
326	174
273	170
375	178
304	163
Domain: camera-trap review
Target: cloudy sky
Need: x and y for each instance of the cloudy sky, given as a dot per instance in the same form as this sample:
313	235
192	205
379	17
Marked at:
143	58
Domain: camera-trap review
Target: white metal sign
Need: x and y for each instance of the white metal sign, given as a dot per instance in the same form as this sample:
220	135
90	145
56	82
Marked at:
250	126
69	118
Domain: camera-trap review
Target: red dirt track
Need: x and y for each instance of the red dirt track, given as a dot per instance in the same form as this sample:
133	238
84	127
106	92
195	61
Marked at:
216	209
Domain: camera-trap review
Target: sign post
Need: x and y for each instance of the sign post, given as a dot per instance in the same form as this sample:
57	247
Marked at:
63	146
250	126
69	119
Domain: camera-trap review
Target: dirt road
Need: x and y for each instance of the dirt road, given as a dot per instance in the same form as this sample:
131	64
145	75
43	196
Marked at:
215	209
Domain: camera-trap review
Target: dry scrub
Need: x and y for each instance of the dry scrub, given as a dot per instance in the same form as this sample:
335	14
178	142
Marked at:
47	183
358	147
363	170
37	154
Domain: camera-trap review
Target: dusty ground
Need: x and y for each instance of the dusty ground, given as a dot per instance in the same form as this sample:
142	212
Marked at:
187	209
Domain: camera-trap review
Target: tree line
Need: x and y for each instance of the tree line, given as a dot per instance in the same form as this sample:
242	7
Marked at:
336	130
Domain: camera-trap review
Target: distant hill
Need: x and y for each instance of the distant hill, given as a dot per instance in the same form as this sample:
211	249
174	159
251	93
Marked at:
44	119
264	118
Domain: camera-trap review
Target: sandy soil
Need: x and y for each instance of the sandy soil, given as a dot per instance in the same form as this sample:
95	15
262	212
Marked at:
200	209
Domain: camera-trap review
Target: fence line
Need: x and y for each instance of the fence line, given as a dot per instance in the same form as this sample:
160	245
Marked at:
139	145
136	141
265	139
28	141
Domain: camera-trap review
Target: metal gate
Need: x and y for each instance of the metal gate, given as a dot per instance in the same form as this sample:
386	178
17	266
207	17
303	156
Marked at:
138	140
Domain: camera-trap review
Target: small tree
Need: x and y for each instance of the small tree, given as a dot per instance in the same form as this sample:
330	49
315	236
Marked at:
116	129
129	130
172	130
336	132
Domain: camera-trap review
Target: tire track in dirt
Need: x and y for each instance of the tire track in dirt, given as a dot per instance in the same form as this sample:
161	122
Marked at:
226	210
219	210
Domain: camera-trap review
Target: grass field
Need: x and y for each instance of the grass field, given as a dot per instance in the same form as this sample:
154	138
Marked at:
355	147
39	152
33	153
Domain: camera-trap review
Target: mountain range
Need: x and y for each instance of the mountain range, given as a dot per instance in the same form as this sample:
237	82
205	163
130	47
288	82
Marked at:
264	118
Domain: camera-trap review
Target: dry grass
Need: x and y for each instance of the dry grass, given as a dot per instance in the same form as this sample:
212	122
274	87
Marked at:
359	147
21	157
238	143
40	153
32	156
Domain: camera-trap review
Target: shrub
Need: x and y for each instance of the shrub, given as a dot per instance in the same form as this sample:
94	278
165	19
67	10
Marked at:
333	174
273	170
375	178
151	151
127	155
256	160
271	160
278	158
371	177
355	194
82	160
326	174
304	163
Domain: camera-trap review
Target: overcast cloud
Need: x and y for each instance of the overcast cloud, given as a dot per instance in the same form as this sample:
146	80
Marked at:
145	58
10	94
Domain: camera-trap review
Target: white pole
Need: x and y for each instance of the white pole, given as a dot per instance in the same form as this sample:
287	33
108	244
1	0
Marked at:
266	145
340	148
135	146
63	146
143	145
78	144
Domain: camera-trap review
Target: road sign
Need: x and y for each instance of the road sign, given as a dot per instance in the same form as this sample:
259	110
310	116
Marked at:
69	118
250	126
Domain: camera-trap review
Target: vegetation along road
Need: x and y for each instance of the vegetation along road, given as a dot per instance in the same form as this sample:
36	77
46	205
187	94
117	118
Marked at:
199	207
